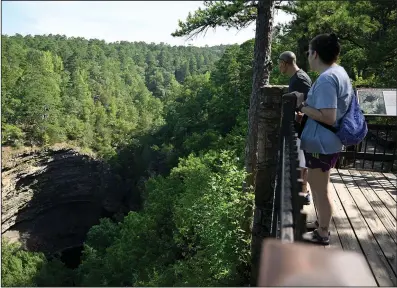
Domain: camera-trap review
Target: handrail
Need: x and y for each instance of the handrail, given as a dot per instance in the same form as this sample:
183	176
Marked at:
378	151
279	265
288	223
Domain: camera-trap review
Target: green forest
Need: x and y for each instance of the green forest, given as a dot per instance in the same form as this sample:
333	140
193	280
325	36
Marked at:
176	116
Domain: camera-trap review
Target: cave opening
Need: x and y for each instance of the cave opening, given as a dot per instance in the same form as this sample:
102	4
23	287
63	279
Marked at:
106	214
71	257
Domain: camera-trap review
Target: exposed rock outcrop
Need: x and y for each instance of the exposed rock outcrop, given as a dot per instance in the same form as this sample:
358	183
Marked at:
51	197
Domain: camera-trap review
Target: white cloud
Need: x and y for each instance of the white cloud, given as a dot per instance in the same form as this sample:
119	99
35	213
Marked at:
147	21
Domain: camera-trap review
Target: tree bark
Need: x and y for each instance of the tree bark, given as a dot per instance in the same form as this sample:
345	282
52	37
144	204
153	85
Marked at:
261	73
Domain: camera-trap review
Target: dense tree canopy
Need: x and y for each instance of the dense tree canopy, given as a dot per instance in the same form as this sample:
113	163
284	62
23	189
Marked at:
98	95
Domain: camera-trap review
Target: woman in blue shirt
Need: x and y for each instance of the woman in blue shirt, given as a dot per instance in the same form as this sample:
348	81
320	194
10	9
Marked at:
327	102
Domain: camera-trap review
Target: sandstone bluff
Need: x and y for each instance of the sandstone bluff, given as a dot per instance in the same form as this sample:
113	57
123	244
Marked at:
51	197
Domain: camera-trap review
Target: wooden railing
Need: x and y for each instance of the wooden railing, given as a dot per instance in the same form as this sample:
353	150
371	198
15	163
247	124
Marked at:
288	223
298	264
378	151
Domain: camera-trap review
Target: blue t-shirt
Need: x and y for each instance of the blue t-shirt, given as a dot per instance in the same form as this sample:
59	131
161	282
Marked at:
332	89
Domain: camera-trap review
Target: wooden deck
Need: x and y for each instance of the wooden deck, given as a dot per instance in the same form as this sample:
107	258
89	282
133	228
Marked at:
364	219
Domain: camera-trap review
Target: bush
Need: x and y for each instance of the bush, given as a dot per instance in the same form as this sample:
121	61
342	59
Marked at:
20	268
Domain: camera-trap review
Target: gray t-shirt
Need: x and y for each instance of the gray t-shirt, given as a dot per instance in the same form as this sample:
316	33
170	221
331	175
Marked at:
332	89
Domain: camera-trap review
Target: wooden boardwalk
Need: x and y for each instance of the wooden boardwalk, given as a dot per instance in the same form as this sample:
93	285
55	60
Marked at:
364	219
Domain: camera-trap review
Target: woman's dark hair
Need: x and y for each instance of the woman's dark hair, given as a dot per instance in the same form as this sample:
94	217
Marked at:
327	46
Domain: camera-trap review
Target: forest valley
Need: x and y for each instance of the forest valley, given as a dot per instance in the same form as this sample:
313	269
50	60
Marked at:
175	117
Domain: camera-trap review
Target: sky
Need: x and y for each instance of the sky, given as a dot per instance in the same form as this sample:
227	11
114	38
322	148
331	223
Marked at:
148	21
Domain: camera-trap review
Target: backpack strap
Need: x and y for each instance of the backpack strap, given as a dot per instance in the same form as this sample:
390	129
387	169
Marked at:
332	128
329	127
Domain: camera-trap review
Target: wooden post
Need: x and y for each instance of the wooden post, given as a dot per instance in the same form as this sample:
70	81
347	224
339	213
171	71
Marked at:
268	138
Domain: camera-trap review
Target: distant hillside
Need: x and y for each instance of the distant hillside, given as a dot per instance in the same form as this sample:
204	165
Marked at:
99	95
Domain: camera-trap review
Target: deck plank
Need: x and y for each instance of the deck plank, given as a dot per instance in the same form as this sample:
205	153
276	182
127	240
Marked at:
342	225
370	215
375	208
392	178
385	198
378	263
389	188
373	181
385	181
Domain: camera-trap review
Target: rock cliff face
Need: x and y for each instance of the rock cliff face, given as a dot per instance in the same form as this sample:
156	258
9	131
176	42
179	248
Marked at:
51	197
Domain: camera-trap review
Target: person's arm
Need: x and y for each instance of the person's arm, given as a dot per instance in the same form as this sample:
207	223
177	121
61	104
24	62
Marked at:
326	115
297	87
326	103
305	87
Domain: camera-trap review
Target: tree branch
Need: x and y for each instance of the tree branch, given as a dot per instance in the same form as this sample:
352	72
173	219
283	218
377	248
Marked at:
237	14
347	38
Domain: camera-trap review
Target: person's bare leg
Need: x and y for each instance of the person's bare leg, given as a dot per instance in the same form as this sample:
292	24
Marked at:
318	181
314	196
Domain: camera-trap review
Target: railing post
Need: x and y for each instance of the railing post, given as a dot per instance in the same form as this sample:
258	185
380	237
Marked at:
268	136
277	189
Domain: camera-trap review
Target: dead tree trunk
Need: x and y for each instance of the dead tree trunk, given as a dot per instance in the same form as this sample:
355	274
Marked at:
261	72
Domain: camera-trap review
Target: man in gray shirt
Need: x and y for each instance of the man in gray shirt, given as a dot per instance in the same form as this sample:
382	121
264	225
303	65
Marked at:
299	81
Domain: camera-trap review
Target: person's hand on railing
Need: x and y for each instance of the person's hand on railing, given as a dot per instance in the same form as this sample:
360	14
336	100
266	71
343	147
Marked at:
298	117
300	97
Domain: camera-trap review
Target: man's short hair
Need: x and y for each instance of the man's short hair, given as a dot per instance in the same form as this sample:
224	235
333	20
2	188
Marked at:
288	57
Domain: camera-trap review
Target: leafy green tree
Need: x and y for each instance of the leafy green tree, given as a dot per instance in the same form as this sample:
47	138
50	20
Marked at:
366	29
30	269
55	274
19	268
188	233
39	94
240	14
